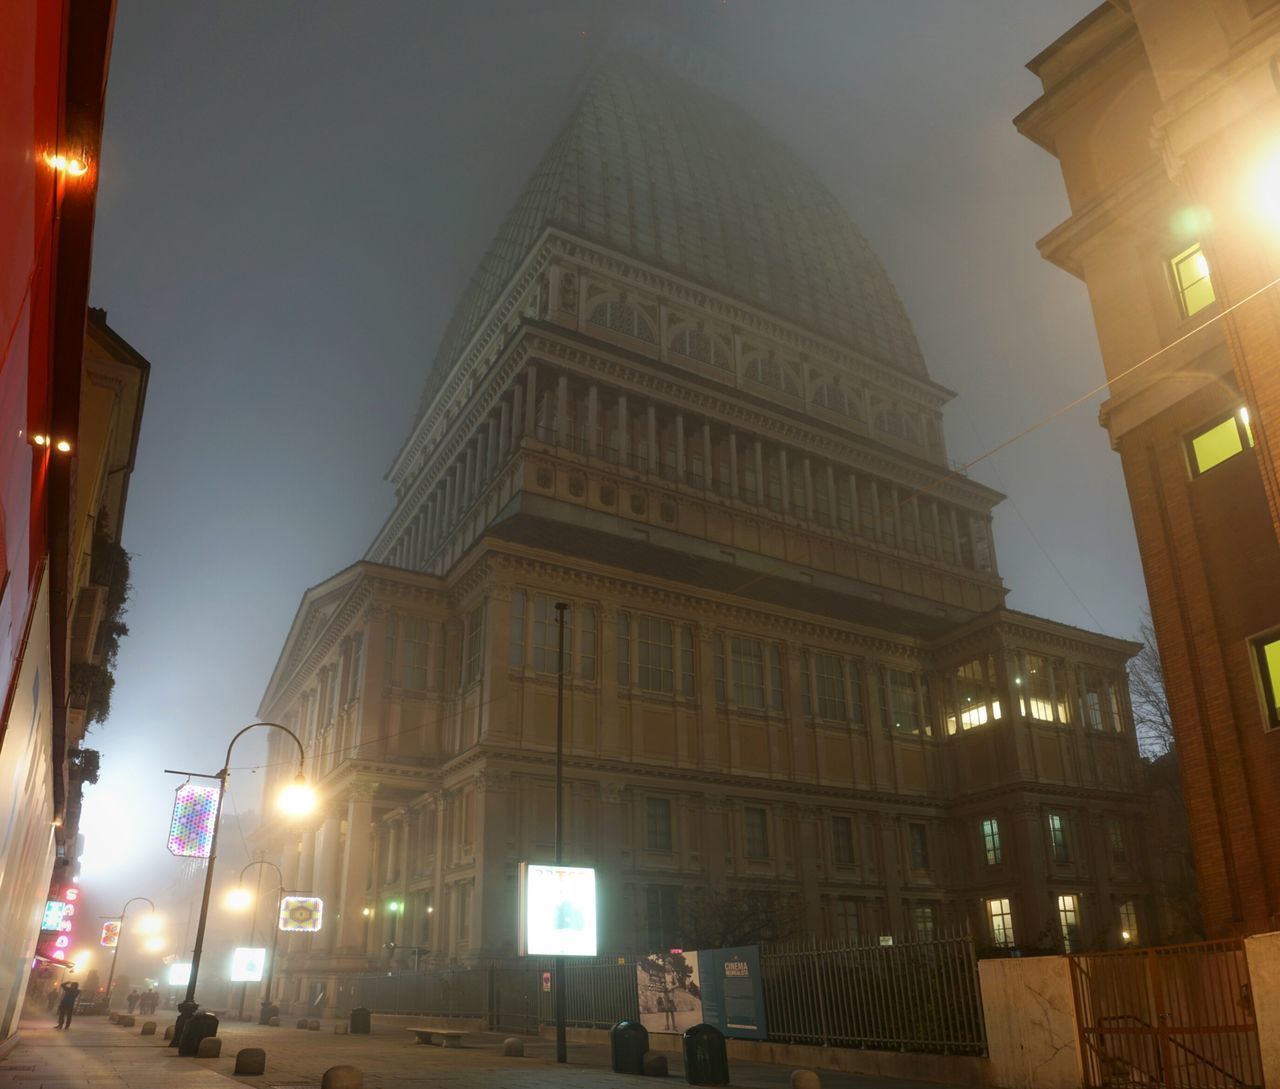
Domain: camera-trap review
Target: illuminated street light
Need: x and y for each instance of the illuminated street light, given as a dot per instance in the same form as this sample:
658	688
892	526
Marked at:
154	945
297	799
238	898
152	921
1265	195
150	924
300	800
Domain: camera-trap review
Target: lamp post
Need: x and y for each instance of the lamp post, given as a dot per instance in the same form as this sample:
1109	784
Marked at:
253	926
562	1049
111	975
296	798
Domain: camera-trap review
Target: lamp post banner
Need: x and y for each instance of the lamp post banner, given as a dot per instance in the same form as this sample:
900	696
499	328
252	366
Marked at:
195	810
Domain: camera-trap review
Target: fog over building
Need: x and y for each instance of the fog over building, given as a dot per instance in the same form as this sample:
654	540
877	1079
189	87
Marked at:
682	395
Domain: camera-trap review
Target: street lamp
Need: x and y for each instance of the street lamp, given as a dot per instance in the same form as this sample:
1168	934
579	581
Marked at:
296	799
111	975
243	898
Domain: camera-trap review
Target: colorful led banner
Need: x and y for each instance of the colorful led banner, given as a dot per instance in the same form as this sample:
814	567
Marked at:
301	913
110	934
195	812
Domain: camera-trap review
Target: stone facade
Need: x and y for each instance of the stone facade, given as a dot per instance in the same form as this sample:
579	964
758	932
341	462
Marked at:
790	674
1162	116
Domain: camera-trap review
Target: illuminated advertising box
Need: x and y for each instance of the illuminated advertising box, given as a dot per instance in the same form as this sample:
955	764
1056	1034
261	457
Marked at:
247	965
179	974
301	913
55	913
110	934
557	910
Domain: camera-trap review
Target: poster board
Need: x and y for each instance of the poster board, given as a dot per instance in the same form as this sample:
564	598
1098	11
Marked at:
719	987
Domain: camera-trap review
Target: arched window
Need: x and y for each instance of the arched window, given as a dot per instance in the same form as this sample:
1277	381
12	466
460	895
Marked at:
622	317
831	397
769	372
698	344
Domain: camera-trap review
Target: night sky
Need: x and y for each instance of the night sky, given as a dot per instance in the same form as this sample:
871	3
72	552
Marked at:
294	195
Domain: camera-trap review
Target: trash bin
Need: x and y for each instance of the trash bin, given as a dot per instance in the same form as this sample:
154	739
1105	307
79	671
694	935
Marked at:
199	1025
628	1040
268	1011
706	1061
360	1022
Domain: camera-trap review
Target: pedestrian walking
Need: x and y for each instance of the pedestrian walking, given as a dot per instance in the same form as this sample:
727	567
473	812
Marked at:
67	1005
153	1000
133	999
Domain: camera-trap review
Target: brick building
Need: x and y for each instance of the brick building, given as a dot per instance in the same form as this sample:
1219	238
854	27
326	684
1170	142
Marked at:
683	396
1164	117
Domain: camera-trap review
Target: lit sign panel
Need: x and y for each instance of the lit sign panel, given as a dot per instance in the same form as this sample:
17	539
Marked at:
247	965
301	913
179	975
55	913
195	812
110	933
557	910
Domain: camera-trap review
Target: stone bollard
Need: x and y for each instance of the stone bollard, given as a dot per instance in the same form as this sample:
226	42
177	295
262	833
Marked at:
209	1048
273	1022
114	1018
342	1077
250	1062
513	1047
805	1079
313	1025
168	1033
340	1029
302	1022
127	1020
654	1064
148	1028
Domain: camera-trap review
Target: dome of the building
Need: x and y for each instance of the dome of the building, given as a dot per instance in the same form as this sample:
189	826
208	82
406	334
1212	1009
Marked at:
657	167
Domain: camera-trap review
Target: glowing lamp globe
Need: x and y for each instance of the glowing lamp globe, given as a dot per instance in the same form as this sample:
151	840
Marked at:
297	799
153	945
149	924
238	899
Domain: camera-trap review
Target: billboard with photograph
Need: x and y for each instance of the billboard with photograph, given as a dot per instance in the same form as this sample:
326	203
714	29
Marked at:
719	987
247	965
557	910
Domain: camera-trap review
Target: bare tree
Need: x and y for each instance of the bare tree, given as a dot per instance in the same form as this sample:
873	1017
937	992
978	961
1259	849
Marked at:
720	918
1151	716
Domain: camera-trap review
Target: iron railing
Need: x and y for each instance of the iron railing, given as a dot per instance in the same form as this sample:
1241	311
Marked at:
916	996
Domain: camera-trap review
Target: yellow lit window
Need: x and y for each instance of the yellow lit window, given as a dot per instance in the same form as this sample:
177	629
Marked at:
1267	652
1220	441
1191	277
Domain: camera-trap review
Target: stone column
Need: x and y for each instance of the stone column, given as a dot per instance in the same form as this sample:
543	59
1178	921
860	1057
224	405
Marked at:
562	410
438	939
875	511
624	430
890	845
326	875
652	436
758	454
355	873
808	489
785	473
733	464
897	518
708	458
530	398
853	503
593	419
833	501
680	447
504	430
955	537
937	531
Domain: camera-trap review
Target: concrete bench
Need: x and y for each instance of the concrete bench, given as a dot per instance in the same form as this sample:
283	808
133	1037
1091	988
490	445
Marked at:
427	1035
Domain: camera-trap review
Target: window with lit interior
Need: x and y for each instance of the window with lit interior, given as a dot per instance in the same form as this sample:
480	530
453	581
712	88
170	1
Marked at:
1219	441
1069	922
1000	916
1266	652
1191	280
991	841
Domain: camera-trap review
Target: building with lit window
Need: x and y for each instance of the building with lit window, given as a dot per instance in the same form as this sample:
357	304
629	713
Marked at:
1164	119
683	397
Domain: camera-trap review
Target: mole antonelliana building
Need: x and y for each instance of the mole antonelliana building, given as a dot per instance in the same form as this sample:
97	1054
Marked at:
682	395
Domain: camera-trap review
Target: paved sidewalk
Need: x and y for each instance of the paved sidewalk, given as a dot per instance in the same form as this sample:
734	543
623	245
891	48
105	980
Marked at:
96	1054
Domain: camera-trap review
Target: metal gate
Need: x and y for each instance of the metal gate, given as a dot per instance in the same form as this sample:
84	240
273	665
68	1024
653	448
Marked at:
1180	1016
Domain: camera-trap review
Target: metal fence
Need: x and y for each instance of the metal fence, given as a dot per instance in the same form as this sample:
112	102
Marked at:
918	996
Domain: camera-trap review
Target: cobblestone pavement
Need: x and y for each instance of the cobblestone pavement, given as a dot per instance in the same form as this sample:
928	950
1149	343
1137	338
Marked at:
96	1054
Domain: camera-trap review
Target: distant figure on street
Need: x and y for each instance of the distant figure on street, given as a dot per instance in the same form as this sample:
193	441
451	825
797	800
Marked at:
152	1000
133	1000
67	1005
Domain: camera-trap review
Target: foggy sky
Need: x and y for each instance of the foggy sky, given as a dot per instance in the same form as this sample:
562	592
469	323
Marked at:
294	195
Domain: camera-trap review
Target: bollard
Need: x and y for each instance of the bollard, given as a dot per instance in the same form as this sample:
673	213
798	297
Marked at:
313	1025
654	1064
250	1062
148	1028
126	1020
342	1077
805	1079
168	1033
273	1022
340	1029
513	1047
209	1048
302	1022
114	1018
